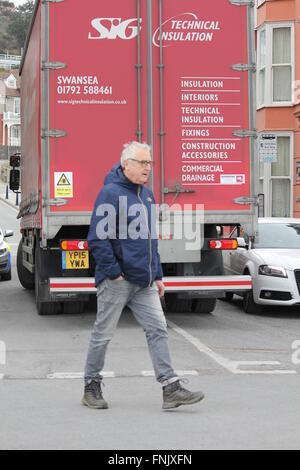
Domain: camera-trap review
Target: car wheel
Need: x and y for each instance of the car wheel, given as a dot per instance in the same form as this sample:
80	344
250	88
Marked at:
249	305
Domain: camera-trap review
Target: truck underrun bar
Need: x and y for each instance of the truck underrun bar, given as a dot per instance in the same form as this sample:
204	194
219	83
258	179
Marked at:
172	284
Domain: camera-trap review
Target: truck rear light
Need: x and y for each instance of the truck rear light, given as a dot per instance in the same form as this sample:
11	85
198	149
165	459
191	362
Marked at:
224	244
73	245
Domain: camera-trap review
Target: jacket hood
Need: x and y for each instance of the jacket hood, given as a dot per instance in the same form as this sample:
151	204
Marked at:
117	176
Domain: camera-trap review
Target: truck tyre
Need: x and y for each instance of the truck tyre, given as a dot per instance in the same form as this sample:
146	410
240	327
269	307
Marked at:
176	305
25	277
228	297
73	307
43	308
204	305
249	305
6	276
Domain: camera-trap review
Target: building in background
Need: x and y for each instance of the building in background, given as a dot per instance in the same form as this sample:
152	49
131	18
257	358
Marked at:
10	123
278	103
9	61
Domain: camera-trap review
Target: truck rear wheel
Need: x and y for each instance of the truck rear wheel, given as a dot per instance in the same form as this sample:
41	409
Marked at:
25	277
43	307
204	305
73	307
6	276
176	305
228	297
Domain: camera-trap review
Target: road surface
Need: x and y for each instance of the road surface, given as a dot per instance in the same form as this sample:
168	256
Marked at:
245	364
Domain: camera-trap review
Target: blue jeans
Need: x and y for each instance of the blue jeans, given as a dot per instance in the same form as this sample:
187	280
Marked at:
145	304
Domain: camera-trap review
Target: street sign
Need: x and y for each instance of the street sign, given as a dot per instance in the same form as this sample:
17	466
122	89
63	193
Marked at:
268	148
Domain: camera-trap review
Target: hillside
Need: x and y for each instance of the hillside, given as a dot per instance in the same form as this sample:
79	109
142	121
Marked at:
7	42
14	23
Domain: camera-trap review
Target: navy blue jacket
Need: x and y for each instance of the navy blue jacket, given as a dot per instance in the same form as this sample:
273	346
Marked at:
122	235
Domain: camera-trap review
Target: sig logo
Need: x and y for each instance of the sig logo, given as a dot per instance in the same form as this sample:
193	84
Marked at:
296	354
113	28
186	27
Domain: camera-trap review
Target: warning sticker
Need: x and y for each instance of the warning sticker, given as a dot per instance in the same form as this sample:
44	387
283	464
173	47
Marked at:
232	179
63	183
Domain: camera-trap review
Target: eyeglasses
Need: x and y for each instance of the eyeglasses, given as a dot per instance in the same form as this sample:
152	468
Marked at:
144	163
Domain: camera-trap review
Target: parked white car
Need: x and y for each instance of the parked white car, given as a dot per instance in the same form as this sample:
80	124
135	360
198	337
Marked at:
5	260
273	262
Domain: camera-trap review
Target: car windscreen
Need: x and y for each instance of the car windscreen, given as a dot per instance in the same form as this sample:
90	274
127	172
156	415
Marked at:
278	236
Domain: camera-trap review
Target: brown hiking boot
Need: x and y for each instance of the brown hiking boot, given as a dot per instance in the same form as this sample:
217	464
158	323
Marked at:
175	395
93	397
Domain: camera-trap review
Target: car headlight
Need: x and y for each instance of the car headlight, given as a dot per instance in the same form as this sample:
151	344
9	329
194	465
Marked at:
276	271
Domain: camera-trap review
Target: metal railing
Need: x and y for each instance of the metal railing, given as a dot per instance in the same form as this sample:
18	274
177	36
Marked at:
7	60
10	57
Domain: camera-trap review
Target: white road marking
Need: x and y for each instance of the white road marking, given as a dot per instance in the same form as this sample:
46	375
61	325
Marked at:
231	366
266	372
150	373
76	375
257	363
143	373
111	374
226	363
65	375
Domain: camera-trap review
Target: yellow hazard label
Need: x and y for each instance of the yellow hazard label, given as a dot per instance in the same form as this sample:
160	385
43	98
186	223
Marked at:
63	184
63	181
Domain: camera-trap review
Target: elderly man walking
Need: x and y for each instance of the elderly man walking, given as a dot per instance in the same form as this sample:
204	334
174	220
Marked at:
128	273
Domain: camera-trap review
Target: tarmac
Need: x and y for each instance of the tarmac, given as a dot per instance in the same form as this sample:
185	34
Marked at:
9	197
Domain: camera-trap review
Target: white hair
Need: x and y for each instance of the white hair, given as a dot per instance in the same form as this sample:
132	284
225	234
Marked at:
130	149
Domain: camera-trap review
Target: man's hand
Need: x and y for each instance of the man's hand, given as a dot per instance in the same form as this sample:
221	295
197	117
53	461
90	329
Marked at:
161	288
120	278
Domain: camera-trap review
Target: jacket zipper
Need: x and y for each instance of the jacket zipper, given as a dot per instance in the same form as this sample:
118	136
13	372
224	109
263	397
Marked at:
150	241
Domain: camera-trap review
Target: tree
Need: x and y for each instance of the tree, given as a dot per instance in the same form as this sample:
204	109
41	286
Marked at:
19	21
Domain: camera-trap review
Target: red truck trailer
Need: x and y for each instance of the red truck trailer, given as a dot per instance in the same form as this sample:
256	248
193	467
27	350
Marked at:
178	74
